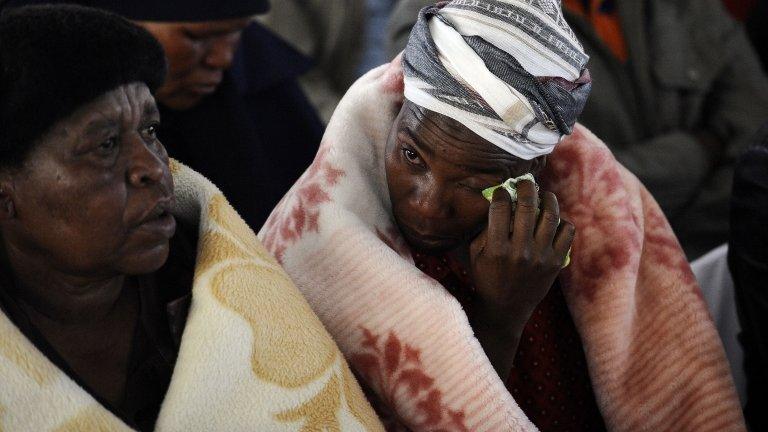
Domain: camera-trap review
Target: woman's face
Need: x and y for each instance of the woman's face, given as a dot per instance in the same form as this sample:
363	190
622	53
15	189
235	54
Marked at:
436	170
93	196
198	54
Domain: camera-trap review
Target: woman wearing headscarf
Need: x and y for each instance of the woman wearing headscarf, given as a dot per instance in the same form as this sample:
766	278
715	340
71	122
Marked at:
454	310
132	296
673	77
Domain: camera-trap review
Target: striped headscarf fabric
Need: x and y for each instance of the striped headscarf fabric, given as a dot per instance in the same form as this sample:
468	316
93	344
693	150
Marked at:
512	71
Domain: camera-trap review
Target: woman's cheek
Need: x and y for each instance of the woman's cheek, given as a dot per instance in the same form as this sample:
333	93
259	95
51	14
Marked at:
474	209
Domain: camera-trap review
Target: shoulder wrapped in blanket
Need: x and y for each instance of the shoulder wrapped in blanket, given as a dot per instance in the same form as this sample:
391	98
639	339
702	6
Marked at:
253	356
653	354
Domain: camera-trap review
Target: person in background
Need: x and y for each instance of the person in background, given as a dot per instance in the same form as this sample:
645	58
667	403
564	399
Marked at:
678	92
375	53
231	106
740	9
345	38
748	262
753	13
757	31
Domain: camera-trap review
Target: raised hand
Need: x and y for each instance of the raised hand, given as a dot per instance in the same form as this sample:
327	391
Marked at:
514	262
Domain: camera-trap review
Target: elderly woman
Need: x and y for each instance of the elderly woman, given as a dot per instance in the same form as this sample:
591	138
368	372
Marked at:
106	244
454	310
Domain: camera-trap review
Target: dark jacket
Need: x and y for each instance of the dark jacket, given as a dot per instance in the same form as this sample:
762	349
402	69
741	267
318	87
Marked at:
748	261
256	134
758	31
690	70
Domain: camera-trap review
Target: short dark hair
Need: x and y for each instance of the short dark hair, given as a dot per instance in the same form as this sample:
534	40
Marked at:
54	59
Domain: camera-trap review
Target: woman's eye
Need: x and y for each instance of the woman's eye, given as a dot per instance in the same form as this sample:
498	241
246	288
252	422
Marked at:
471	187
412	156
193	37
151	131
108	145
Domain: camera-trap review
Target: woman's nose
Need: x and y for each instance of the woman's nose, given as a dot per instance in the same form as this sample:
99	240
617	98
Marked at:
221	52
147	167
430	201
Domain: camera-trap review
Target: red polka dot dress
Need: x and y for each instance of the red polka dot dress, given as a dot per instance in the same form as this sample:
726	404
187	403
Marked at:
549	377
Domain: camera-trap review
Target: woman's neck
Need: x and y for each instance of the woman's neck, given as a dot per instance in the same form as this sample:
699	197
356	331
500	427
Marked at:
52	295
461	254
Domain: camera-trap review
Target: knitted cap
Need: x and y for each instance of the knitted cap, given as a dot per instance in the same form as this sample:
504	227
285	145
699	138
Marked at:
54	59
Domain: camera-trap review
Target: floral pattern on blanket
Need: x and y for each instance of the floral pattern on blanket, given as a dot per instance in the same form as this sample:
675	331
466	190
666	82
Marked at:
666	248
319	413
393	367
300	211
592	185
585	180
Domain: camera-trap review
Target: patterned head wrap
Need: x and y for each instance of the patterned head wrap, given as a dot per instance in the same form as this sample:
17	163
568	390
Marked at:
512	71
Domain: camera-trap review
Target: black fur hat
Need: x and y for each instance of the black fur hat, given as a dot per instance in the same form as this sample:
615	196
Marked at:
54	59
167	10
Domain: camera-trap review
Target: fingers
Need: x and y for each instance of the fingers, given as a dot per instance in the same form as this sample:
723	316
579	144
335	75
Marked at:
551	236
525	215
563	239
499	214
549	219
478	243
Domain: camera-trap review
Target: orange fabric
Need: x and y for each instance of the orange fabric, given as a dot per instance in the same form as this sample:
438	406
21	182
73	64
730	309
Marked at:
606	24
740	9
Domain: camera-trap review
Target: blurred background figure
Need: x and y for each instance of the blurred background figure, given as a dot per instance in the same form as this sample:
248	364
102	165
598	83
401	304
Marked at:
231	104
678	91
344	38
748	261
758	32
754	15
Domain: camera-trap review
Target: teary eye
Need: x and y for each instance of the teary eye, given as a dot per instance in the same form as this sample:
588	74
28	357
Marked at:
412	156
473	187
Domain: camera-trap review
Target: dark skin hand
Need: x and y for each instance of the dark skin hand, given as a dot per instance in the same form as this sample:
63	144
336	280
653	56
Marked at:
436	170
86	211
514	262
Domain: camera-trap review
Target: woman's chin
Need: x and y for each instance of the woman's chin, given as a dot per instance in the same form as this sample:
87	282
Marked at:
145	262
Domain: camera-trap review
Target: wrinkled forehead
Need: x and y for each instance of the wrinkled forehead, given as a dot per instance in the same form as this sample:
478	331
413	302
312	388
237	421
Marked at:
446	136
419	117
127	102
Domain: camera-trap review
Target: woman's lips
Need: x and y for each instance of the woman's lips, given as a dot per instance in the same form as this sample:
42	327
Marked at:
424	238
159	221
203	89
162	225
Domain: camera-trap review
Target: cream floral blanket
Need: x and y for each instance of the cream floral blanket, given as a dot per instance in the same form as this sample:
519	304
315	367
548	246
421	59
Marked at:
653	354
253	356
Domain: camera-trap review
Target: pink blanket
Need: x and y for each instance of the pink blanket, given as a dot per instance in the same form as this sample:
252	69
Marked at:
653	354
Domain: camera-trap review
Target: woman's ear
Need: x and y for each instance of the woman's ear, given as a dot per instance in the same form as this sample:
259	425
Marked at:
7	207
537	165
